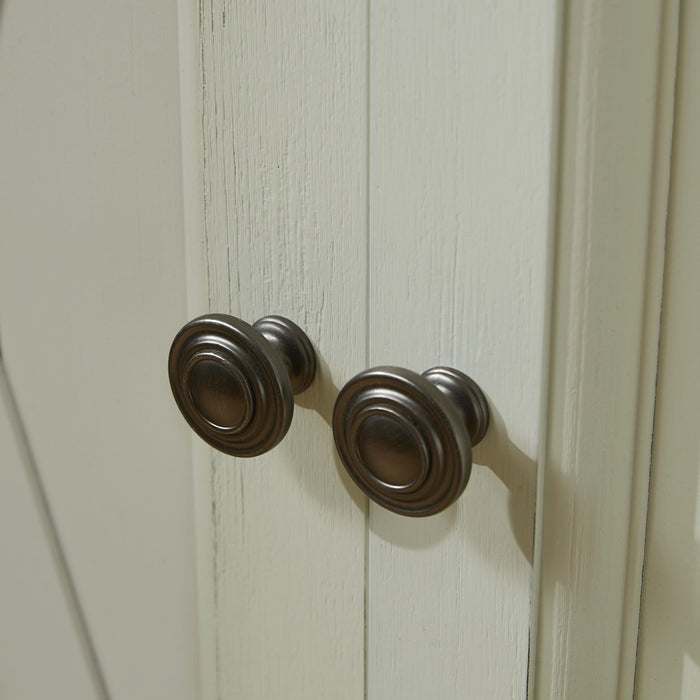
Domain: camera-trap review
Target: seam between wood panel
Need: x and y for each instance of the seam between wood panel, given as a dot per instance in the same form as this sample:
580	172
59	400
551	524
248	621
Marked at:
48	526
558	93
368	329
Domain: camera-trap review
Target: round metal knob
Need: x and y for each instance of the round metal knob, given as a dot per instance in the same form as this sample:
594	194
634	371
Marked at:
405	438
234	382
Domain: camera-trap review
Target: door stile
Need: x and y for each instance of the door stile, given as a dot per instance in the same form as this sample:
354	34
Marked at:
614	150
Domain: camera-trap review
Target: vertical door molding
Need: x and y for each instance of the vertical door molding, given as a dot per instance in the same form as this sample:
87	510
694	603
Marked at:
283	104
669	642
615	135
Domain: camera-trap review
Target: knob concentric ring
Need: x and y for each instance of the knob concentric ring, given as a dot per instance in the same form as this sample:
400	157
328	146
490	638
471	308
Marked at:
404	438
232	381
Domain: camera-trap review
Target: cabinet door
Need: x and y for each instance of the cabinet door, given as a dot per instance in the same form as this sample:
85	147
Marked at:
470	184
474	184
380	174
91	292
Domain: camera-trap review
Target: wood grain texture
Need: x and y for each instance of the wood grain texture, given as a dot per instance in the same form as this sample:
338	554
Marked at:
460	131
284	119
40	652
606	300
669	636
91	294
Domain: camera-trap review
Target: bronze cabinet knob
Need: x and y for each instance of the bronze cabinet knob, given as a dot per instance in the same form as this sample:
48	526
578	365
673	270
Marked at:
234	383
406	438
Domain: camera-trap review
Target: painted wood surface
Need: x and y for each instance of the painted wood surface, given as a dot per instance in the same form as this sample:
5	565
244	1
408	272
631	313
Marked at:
286	122
40	652
383	176
283	100
393	176
669	634
615	125
91	293
460	148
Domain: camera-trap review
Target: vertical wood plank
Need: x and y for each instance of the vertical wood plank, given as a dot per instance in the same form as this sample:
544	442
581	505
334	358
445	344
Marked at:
668	660
284	116
40	652
460	104
91	294
613	177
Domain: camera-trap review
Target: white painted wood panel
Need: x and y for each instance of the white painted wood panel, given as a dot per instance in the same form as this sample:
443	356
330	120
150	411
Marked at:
461	103
668	660
616	106
284	116
40	653
485	226
91	293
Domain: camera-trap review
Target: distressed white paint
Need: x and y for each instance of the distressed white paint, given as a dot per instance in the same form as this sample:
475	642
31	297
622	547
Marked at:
291	119
284	114
91	293
460	139
451	261
40	652
669	634
615	129
284	118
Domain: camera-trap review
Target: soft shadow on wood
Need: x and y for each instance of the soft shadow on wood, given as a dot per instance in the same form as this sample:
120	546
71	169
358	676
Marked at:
517	472
496	452
513	468
320	397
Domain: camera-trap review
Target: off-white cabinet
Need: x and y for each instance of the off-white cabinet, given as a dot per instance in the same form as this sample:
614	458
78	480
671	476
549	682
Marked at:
419	184
413	183
92	286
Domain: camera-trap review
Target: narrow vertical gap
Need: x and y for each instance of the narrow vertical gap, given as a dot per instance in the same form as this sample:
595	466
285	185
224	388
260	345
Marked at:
557	117
368	328
48	525
637	628
666	72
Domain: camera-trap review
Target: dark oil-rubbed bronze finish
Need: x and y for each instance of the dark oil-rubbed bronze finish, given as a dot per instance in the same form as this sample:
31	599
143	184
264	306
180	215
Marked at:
406	438
234	383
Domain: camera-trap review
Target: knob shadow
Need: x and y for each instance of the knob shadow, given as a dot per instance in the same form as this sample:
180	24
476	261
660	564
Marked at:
514	469
320	397
517	472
